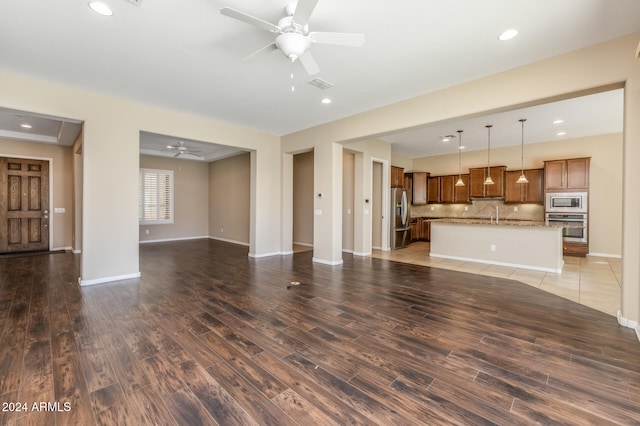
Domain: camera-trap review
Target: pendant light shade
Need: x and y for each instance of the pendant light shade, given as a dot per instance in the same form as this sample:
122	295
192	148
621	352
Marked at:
488	180
522	178
459	182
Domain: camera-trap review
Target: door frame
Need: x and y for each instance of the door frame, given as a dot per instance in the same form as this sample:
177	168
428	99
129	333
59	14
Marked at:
51	204
384	197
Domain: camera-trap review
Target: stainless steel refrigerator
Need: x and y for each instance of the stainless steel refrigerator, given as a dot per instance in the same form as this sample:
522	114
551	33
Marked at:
400	221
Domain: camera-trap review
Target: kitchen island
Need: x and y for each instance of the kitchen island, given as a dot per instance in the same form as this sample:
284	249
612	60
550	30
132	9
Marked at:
519	244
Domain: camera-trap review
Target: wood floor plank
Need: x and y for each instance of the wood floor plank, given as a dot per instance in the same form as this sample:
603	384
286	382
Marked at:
209	335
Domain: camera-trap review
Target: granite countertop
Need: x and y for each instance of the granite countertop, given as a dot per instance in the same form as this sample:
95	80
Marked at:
501	222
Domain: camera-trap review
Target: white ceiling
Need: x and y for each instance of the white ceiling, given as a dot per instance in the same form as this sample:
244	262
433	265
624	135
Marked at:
186	56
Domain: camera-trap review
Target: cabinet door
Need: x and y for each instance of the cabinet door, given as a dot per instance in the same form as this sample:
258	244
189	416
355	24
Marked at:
415	229
513	191
426	230
555	175
397	177
497	189
461	193
434	189
446	189
534	192
578	173
420	188
476	183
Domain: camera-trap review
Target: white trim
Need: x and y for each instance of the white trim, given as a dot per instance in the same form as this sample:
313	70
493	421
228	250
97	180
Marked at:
327	262
303	244
490	262
227	240
355	253
287	253
163	240
386	195
61	248
258	256
108	279
629	324
77	251
344	250
615	256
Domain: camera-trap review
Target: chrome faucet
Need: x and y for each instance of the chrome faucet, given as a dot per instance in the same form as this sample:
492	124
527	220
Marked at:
497	214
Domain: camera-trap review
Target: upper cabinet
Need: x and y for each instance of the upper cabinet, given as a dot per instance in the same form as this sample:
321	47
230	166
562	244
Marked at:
524	193
478	189
419	189
443	190
397	177
567	175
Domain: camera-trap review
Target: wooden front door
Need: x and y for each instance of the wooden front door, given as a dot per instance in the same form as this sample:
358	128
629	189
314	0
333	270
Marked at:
24	205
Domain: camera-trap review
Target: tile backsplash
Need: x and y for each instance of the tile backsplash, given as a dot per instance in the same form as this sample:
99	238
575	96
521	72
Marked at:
481	209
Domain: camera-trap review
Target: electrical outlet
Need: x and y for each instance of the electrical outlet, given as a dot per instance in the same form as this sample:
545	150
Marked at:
221	230
492	247
515	208
146	231
466	208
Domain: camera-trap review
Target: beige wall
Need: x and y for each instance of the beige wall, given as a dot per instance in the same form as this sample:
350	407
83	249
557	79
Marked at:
605	212
191	198
229	199
61	186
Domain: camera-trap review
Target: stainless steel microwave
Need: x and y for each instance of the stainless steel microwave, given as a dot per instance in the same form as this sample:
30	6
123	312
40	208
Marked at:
566	202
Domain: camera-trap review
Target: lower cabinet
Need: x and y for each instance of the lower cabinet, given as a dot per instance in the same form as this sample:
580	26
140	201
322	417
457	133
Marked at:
420	229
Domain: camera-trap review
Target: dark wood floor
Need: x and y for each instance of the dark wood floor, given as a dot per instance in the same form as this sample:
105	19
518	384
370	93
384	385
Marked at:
209	335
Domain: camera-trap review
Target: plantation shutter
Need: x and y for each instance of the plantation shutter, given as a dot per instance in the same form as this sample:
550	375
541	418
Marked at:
155	196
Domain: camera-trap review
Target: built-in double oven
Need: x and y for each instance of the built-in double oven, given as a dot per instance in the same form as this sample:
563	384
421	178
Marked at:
569	210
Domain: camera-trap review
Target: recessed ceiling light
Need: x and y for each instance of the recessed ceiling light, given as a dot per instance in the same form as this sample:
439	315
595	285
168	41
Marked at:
26	126
100	8
508	34
326	101
561	133
558	121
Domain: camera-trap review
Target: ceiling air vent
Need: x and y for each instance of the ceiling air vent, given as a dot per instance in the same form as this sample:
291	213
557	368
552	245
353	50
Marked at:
136	2
320	83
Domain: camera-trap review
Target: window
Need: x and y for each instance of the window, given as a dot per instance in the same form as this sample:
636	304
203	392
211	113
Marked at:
155	196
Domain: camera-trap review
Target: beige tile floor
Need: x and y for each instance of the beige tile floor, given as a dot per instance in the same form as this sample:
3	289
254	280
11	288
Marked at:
590	281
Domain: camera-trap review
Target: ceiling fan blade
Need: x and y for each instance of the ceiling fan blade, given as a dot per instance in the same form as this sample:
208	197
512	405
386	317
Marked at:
340	39
309	64
303	12
271	47
252	20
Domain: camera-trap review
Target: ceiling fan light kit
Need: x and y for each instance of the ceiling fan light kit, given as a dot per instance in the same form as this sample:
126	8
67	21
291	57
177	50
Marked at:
294	38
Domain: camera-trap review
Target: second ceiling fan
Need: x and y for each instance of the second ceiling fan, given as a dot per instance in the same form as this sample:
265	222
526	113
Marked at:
293	36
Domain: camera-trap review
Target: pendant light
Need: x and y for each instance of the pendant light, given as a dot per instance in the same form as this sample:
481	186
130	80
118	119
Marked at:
522	178
488	180
459	182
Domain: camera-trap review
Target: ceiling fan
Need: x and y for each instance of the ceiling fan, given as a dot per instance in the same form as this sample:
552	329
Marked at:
182	149
293	37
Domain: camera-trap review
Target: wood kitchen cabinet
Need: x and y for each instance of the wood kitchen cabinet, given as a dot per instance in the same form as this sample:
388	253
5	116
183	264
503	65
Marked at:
419	189
433	193
420	229
524	193
567	175
447	189
477	188
397	177
461	193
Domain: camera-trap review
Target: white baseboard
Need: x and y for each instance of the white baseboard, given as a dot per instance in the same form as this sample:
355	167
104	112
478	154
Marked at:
76	251
357	253
227	240
61	248
615	256
165	240
107	279
490	262
327	262
347	251
629	324
261	255
303	244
